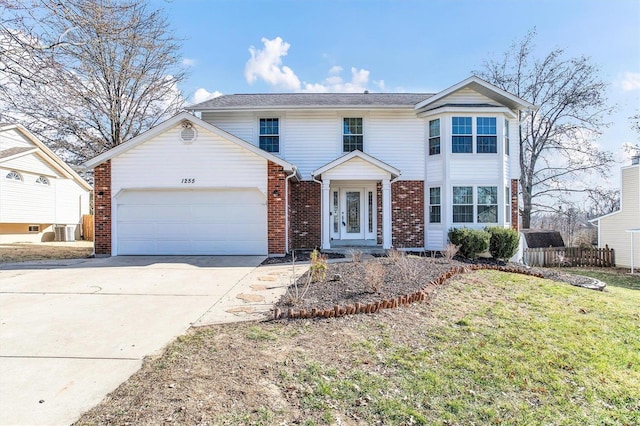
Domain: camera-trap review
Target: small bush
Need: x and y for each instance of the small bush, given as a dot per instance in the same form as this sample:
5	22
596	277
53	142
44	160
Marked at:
471	241
374	276
503	243
450	251
318	268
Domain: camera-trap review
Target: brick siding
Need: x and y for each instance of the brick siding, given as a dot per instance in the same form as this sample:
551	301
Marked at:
305	215
276	232
407	213
514	205
102	208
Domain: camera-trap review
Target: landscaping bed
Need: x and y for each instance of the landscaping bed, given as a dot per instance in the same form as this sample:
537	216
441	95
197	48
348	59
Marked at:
27	252
349	287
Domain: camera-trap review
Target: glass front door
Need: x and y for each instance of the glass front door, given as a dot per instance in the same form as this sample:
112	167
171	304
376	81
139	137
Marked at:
352	214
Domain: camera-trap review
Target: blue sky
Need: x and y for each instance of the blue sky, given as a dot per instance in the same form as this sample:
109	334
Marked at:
397	46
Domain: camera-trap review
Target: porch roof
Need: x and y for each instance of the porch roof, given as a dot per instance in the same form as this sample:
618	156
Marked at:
357	155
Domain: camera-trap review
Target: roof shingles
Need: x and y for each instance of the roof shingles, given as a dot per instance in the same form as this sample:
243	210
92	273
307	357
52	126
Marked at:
312	100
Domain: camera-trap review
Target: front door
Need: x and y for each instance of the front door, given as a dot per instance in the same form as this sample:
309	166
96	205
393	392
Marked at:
352	218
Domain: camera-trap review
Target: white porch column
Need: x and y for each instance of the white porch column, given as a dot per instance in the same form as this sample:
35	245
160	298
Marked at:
326	218
386	214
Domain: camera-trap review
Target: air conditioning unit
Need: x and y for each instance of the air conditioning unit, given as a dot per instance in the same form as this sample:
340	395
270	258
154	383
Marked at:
65	232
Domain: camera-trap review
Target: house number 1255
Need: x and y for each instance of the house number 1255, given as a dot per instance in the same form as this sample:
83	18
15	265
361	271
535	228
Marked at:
188	180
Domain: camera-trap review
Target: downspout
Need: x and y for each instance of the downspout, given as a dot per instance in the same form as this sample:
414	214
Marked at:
294	171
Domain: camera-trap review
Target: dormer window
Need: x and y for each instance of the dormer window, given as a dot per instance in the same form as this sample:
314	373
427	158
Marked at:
270	134
352	134
42	180
13	175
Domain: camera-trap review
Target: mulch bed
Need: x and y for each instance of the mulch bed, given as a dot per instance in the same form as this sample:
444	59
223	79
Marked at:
384	279
300	255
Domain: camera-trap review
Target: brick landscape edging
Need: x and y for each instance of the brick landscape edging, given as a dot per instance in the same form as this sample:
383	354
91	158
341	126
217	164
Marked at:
419	296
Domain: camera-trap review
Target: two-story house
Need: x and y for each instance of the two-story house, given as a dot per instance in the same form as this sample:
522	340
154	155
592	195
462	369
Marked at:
267	173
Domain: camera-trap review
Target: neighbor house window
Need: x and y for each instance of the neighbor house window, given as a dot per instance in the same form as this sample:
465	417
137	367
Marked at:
269	135
42	180
506	137
463	204
434	205
462	136
486	139
352	134
34	228
434	137
507	204
13	176
487	204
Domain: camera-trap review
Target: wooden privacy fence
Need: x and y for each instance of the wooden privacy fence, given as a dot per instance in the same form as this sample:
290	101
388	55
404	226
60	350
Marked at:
87	227
569	256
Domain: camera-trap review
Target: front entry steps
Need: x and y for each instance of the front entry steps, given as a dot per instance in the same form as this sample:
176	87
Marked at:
348	249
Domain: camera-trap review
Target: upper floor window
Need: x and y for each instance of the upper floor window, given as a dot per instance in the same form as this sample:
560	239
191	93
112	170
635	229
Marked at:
462	135
486	139
14	176
487	204
352	134
269	134
434	137
506	137
42	180
463	204
434	205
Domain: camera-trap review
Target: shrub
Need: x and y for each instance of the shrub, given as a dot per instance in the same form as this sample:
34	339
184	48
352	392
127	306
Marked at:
471	241
503	243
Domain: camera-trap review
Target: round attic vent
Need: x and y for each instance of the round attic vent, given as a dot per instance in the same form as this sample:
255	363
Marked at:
188	132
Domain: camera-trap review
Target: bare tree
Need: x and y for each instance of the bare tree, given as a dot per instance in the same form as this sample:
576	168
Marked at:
557	152
87	75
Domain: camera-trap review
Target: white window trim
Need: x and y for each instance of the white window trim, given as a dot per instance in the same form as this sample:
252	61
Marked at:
429	205
364	119
475	205
259	117
13	172
474	134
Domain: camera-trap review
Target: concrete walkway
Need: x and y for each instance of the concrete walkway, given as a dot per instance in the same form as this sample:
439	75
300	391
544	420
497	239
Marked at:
71	331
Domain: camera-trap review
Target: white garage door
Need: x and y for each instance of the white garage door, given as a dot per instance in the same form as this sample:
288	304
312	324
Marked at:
192	222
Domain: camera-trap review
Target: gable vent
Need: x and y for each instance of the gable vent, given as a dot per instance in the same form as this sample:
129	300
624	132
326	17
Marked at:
188	132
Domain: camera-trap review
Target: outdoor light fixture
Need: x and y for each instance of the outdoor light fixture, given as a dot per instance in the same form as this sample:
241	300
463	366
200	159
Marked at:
276	193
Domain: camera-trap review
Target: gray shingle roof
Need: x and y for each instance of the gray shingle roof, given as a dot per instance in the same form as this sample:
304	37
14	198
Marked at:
13	151
312	100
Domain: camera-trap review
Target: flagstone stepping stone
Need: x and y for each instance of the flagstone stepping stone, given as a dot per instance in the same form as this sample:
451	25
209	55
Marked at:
258	287
241	310
266	278
250	297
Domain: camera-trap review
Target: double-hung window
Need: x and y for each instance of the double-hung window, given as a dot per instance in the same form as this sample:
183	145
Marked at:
506	137
462	135
434	205
486	139
269	134
507	204
487	204
434	137
352	134
463	204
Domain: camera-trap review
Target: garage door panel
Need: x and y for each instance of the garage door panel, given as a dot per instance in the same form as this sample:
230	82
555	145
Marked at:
192	222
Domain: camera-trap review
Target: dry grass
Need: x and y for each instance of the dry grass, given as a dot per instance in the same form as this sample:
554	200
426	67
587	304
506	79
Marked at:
26	252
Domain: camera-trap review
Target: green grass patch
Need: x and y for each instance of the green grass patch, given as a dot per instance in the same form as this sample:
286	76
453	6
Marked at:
610	276
521	351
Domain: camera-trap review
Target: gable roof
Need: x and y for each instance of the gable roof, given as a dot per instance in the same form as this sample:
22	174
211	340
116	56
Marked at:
483	87
172	122
361	155
311	100
41	149
542	239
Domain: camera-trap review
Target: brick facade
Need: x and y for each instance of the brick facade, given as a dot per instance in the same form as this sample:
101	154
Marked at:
514	205
276	220
305	217
407	213
102	208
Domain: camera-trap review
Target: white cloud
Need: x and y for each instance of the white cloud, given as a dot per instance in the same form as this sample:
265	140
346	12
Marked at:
203	94
630	81
335	83
266	64
188	62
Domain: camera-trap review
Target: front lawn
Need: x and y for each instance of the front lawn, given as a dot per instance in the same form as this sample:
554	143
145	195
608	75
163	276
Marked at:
617	277
490	348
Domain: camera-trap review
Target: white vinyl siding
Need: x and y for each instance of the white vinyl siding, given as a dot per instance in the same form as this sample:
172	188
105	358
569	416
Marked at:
241	124
356	169
164	161
13	139
31	163
613	228
464	96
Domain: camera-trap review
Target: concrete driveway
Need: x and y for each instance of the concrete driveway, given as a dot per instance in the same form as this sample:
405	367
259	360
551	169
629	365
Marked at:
72	331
